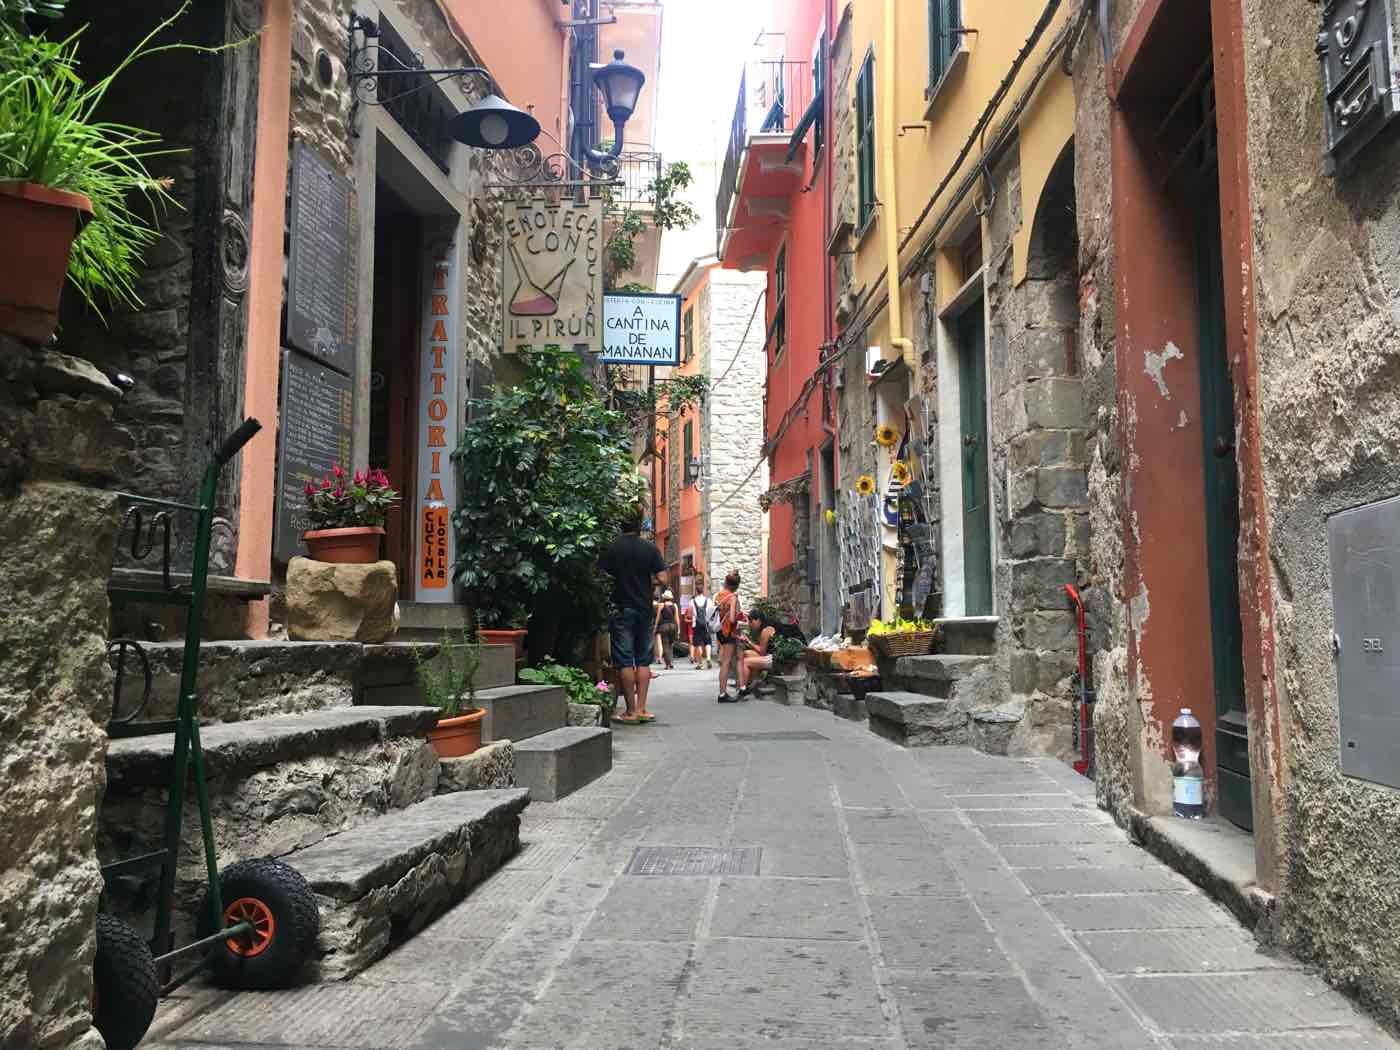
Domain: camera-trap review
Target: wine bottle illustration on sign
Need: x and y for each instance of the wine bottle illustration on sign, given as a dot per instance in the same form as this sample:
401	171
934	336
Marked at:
530	299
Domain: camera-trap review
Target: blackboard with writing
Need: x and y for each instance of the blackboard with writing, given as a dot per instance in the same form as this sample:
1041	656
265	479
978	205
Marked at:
321	270
317	409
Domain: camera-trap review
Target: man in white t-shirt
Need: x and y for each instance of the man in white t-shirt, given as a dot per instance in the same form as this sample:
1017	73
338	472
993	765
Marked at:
702	631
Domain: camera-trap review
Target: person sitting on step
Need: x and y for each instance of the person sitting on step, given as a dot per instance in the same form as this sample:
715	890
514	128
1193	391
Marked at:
756	661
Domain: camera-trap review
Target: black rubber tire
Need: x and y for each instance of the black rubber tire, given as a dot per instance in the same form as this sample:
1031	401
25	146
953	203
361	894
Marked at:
125	986
287	896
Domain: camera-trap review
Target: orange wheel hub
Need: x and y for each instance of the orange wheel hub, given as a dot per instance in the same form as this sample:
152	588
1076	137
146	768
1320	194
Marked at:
256	914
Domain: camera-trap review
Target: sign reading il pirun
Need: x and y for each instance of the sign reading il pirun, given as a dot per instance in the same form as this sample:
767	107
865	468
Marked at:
553	270
321	265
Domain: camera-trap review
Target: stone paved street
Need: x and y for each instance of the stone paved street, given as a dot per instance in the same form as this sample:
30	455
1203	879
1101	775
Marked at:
903	899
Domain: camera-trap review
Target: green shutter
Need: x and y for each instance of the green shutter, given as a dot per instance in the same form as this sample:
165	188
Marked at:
944	19
865	140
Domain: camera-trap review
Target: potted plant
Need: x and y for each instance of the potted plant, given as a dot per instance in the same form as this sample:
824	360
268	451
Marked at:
347	515
579	686
901	637
449	684
786	653
507	626
67	177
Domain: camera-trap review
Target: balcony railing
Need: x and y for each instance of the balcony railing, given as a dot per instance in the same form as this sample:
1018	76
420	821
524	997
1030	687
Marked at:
773	94
637	172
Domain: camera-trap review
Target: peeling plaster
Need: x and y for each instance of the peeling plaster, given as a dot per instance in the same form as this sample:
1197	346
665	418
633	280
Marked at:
1181	421
1155	365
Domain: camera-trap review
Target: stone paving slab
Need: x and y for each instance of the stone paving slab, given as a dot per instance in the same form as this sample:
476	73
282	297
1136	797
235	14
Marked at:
903	900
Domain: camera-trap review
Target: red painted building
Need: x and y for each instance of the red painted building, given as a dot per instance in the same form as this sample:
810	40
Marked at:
773	213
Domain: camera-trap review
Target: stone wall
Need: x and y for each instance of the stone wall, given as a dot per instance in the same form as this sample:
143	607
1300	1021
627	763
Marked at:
60	444
732	529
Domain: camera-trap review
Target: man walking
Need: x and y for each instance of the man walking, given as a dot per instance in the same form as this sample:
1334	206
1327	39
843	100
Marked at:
703	613
727	634
635	566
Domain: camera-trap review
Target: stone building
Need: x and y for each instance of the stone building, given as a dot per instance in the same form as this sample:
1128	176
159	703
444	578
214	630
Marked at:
1238	306
709	472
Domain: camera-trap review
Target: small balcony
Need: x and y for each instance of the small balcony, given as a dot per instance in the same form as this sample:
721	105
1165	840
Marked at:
637	172
762	165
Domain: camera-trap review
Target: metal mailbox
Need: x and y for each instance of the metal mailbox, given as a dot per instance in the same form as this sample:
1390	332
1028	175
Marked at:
1364	548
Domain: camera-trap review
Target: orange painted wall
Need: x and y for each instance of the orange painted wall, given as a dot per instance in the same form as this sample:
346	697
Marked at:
801	23
527	53
258	463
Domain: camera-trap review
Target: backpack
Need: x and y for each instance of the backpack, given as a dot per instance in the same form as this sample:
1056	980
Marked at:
710	611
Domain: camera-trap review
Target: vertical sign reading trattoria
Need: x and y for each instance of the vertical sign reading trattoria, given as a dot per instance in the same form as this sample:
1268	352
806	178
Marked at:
553	271
437	428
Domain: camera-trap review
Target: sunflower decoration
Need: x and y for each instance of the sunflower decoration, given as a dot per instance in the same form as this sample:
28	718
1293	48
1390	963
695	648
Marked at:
865	485
886	435
830	516
900	472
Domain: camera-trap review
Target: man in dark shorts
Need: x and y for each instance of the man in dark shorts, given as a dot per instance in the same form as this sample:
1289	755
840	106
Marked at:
634	565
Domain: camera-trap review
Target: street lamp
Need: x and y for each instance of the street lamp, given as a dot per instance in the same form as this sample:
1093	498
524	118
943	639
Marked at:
619	84
493	123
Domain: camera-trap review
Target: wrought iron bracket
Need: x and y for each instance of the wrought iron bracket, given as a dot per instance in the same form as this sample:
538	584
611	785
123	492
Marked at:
367	62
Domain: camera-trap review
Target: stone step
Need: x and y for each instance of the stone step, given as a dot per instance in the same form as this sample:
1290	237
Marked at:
518	712
946	676
275	784
915	719
557	764
968	635
387	879
389	672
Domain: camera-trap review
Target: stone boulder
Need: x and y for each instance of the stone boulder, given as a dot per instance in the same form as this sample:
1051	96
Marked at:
342	603
493	766
585	715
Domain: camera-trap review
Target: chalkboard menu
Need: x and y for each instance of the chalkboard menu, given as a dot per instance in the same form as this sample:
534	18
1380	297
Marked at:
321	272
314	432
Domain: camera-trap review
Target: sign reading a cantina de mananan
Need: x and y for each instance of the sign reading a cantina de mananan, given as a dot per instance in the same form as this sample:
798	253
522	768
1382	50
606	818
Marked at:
553	271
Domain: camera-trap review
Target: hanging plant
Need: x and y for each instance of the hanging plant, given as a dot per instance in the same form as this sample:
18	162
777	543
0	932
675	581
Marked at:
886	435
865	485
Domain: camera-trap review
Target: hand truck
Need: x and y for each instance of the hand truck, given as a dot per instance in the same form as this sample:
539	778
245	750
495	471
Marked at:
259	921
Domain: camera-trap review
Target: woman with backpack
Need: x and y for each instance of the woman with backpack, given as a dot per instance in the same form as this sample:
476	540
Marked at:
706	621
668	624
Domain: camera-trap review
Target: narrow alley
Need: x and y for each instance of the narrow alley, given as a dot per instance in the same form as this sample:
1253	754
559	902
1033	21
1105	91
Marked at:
862	896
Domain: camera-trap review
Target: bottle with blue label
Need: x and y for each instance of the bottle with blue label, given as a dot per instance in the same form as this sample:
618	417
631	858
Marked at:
1188	778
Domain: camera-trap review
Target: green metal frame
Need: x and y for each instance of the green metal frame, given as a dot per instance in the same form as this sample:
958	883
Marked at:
188	754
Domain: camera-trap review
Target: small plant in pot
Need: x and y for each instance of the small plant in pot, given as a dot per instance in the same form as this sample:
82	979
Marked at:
71	184
503	624
347	515
449	684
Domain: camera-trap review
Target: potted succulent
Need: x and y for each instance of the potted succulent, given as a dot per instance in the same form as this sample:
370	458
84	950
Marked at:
449	684
347	515
67	177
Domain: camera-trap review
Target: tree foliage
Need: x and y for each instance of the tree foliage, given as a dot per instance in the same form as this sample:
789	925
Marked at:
667	212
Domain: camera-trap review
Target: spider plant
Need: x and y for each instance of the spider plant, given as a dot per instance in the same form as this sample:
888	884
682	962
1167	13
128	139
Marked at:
51	135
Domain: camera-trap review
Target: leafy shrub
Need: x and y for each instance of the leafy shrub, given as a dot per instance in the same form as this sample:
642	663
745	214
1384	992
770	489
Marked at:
578	685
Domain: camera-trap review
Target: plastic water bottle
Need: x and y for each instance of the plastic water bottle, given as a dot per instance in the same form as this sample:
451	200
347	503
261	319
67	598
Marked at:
1188	779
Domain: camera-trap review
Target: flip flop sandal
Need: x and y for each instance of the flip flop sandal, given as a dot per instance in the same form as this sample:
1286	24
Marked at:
646	718
628	721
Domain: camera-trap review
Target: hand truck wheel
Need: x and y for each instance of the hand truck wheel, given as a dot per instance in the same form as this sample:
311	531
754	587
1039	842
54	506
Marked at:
279	904
124	984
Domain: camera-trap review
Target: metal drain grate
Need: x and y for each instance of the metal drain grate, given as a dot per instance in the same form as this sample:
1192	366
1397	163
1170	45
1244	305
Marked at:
694	860
786	734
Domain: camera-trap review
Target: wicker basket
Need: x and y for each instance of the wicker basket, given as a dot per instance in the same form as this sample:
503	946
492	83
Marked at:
902	643
818	658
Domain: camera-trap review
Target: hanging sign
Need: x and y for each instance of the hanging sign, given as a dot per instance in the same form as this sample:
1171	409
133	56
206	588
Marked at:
437	427
641	328
553	271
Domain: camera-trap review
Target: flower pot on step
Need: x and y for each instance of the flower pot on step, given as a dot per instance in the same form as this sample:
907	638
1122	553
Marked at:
515	638
457	736
358	545
44	222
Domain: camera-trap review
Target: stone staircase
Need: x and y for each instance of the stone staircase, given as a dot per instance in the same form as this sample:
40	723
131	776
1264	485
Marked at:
317	753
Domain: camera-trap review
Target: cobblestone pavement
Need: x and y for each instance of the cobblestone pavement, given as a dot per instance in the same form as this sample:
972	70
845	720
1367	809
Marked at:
903	899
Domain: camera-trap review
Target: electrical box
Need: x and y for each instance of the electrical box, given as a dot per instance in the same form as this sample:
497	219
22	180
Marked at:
1364	548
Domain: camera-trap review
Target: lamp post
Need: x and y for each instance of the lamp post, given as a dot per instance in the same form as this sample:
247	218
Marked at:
620	85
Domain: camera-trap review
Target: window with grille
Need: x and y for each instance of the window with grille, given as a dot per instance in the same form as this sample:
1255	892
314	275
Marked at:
688	334
944	31
865	142
689	442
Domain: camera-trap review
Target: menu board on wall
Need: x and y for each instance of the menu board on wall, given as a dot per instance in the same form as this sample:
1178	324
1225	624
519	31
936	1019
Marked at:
321	266
316	422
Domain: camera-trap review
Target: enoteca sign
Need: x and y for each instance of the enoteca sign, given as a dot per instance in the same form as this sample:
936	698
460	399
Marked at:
641	328
553	270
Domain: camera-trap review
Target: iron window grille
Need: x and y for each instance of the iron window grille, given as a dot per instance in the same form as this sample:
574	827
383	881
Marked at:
865	142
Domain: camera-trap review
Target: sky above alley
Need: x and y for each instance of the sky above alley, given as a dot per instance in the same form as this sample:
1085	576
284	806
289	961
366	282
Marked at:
704	45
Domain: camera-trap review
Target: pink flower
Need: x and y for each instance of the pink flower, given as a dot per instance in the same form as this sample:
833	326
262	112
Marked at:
378	477
337	470
311	488
359	477
604	687
325	484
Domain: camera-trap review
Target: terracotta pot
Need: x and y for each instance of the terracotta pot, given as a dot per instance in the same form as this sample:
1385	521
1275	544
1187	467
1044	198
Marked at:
45	222
358	545
514	638
457	736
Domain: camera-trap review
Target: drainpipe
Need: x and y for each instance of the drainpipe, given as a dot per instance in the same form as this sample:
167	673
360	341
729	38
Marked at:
890	196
